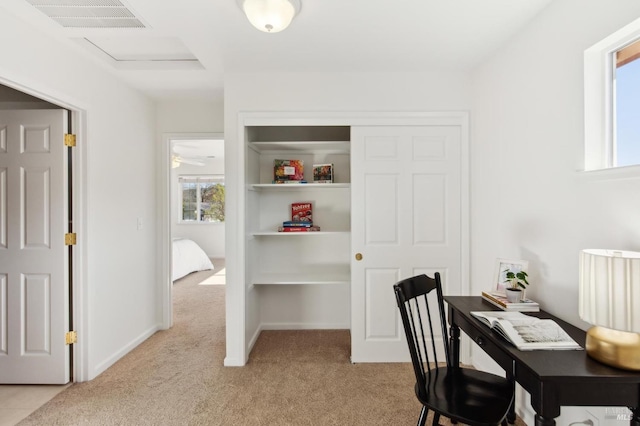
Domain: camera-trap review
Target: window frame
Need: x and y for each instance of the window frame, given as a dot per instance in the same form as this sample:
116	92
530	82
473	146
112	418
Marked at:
599	101
217	178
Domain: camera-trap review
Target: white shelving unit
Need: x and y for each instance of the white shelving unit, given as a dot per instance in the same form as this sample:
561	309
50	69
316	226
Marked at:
297	234
310	147
307	279
298	187
298	258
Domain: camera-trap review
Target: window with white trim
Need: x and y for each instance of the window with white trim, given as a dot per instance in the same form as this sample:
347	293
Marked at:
612	100
626	111
202	198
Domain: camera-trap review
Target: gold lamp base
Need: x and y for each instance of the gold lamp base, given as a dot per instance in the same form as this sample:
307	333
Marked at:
619	349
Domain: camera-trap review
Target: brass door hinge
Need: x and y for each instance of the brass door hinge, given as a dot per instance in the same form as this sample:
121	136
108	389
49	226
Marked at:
70	337
70	239
69	139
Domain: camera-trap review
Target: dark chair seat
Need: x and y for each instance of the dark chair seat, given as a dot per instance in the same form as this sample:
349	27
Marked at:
468	396
472	397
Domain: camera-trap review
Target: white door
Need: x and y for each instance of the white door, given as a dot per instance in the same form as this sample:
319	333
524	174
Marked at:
33	257
406	220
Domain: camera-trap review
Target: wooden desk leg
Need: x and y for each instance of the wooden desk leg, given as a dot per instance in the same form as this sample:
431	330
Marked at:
635	419
454	346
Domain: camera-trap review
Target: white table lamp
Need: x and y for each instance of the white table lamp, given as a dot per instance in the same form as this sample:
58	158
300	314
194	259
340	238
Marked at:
610	301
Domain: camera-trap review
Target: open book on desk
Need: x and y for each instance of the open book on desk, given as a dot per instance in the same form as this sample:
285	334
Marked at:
526	332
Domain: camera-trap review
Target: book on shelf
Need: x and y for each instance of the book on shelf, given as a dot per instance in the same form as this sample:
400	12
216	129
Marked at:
500	300
526	332
323	173
301	212
289	182
288	171
314	228
292	224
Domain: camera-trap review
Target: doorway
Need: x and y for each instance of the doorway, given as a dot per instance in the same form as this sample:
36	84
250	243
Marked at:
193	213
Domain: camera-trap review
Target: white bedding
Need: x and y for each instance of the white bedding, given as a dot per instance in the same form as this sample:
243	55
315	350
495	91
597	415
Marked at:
188	257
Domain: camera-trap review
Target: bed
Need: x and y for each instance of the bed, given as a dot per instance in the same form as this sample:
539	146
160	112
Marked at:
188	257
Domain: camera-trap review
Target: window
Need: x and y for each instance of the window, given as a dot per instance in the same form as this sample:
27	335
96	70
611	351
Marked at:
626	137
202	198
612	101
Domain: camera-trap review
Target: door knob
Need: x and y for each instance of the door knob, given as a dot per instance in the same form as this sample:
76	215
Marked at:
358	257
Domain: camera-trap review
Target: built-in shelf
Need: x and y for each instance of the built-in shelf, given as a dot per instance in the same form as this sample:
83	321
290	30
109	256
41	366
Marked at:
285	186
302	278
290	234
301	147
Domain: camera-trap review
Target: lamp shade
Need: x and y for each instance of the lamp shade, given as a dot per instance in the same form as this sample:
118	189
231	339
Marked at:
610	289
270	16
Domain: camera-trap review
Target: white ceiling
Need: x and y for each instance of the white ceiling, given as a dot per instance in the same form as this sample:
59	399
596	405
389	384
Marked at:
187	45
199	149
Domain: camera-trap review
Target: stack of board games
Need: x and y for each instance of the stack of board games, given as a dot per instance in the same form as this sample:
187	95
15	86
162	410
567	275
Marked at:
288	171
301	219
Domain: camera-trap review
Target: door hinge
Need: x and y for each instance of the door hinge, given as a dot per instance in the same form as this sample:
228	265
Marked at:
70	239
70	337
69	139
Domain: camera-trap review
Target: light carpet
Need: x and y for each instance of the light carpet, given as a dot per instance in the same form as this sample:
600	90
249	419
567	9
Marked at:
176	377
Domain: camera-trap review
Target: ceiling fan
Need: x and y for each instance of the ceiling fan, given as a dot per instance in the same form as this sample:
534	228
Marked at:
194	152
177	160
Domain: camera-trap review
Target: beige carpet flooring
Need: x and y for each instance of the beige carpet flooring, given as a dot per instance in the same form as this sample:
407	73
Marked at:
177	377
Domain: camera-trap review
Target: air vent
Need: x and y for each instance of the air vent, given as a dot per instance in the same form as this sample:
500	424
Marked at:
88	13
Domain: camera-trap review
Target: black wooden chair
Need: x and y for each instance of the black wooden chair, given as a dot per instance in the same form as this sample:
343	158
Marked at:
463	395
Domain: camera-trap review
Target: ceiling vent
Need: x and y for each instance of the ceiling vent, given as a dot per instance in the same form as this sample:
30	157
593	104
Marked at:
88	13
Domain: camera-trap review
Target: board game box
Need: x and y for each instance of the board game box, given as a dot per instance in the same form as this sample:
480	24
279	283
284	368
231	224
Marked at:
323	173
301	212
288	170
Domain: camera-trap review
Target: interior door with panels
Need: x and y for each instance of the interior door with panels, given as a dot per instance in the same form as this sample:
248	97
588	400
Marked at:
406	220
34	308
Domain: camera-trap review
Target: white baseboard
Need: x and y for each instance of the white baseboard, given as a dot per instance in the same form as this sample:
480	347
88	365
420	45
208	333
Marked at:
104	365
233	362
254	338
302	326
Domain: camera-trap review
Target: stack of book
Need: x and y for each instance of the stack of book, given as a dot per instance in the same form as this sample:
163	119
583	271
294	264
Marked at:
301	219
293	226
500	300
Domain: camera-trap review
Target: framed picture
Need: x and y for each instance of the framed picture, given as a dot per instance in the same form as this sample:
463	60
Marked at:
500	276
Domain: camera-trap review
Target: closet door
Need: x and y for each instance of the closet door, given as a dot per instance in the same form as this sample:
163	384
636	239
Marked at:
406	220
34	280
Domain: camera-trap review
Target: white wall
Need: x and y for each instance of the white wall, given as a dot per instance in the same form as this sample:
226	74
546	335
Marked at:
303	92
190	116
529	199
116	302
209	236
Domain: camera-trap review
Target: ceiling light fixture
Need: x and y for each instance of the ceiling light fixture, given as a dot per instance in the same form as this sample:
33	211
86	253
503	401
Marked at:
270	16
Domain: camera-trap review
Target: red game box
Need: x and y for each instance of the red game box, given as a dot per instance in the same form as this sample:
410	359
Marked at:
301	212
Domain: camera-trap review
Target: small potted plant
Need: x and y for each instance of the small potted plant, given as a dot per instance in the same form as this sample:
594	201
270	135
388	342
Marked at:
517	281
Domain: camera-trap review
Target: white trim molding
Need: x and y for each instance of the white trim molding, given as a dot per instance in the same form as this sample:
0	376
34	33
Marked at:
164	191
599	95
